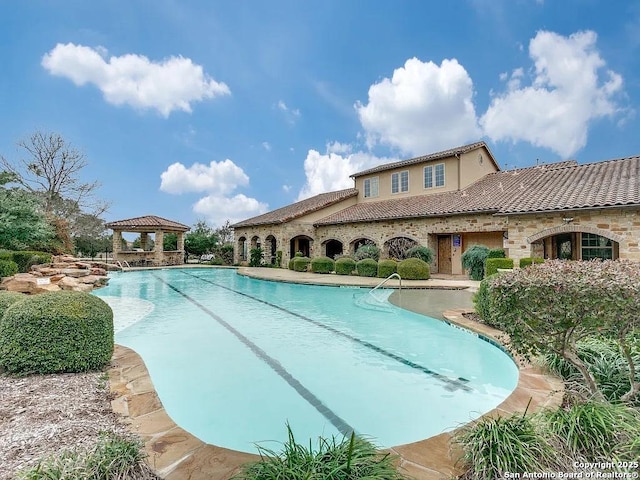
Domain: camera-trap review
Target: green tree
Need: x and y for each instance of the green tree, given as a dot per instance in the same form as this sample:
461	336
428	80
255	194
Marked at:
23	224
202	239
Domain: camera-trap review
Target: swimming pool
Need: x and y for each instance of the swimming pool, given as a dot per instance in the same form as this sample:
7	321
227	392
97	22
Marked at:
233	359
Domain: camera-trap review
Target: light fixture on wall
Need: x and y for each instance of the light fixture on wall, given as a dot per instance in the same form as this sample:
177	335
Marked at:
567	219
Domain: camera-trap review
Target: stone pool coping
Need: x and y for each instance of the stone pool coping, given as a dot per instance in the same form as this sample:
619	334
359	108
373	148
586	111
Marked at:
175	454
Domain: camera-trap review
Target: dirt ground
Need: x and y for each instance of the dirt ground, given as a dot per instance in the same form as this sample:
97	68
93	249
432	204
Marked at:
43	415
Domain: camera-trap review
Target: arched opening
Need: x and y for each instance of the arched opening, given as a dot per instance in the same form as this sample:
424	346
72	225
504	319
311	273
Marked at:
584	244
359	242
255	242
242	249
301	244
397	247
270	249
333	248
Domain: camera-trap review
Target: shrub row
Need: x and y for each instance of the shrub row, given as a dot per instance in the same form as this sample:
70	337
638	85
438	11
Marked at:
54	332
25	259
494	263
410	269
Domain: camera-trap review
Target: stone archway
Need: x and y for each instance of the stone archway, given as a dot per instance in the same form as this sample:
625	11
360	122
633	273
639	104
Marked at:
333	248
575	242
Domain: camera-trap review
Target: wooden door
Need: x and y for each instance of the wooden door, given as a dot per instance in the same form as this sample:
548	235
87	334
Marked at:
444	254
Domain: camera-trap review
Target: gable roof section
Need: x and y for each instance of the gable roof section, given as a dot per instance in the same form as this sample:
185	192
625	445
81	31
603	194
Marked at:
298	209
148	222
425	158
544	188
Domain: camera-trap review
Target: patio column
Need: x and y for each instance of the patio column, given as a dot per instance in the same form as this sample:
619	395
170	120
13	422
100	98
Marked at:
158	257
117	243
144	240
180	246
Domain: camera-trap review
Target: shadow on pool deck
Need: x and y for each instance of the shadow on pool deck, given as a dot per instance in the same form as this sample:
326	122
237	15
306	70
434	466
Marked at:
176	454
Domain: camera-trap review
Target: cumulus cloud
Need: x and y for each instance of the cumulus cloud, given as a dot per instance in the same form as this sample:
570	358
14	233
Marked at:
331	171
217	209
220	177
171	84
570	87
423	108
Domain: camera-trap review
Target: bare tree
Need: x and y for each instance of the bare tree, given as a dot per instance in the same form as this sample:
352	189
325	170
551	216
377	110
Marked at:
51	170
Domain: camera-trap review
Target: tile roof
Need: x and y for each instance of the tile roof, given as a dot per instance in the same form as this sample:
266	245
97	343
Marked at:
425	158
544	188
298	209
150	221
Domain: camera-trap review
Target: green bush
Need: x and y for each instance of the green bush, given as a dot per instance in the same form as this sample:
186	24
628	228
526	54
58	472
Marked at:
473	260
8	268
496	253
322	265
493	264
25	259
216	261
367	267
525	262
279	258
56	332
414	269
421	252
352	458
387	267
9	298
345	266
301	264
255	257
367	251
493	446
482	299
114	457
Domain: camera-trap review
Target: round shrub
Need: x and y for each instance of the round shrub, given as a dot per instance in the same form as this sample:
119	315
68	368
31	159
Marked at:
290	264
56	332
367	267
414	269
322	265
421	252
386	268
345	266
8	268
301	264
9	298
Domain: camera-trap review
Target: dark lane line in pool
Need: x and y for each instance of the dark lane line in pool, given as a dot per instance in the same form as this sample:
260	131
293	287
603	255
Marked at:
451	384
342	426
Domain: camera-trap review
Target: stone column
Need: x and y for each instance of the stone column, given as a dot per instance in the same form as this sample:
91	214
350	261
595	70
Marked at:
144	240
158	257
180	246
117	243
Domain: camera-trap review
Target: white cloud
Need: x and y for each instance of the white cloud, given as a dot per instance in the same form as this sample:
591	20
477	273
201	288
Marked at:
286	188
422	108
171	84
291	114
218	209
331	171
266	146
570	88
219	177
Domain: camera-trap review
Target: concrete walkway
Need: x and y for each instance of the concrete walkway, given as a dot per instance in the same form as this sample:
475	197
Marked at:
176	454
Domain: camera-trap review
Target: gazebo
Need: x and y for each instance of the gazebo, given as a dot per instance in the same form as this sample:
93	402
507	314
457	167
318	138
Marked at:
145	256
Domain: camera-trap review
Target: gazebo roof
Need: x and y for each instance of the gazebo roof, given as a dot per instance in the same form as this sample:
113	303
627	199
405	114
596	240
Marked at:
148	223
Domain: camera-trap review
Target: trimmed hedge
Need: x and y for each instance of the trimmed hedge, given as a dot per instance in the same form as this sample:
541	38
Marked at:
322	265
290	264
367	267
492	265
345	266
387	267
414	269
9	298
8	268
482	299
496	253
26	258
525	262
301	264
56	332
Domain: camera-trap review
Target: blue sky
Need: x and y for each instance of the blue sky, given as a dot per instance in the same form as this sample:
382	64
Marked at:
223	110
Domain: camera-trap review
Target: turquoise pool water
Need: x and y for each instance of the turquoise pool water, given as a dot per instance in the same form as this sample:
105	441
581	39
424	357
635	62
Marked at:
234	359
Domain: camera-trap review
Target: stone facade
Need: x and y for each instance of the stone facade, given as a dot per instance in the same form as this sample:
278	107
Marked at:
523	235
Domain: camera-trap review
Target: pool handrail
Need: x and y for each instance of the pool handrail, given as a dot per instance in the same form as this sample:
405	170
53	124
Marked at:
393	275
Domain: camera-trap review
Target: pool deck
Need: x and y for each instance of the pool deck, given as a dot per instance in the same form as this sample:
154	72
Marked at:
177	455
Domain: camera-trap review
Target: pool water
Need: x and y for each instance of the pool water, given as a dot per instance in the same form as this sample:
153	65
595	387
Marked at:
235	359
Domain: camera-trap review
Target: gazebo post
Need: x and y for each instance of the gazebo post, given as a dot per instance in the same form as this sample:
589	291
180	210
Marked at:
158	257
